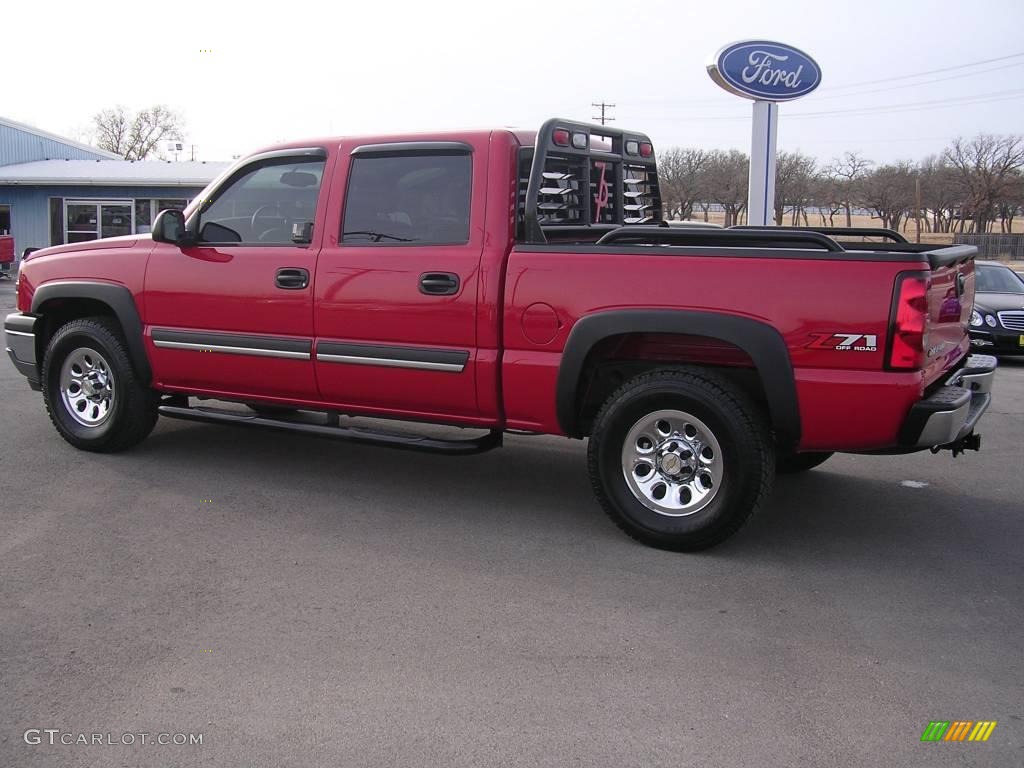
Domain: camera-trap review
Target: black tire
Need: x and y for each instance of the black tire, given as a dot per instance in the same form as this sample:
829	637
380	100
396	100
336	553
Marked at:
795	463
739	427
132	412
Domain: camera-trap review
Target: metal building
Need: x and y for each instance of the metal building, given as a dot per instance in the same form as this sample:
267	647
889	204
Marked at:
54	190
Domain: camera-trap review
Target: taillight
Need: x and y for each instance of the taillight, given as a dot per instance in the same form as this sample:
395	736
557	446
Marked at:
560	137
646	150
910	323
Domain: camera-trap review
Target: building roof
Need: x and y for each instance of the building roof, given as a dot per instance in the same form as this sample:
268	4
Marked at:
155	173
31	129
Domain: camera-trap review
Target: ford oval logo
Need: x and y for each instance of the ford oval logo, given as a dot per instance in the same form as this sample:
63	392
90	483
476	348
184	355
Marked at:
763	70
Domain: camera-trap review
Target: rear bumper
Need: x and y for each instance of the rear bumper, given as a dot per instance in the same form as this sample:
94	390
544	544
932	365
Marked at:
20	341
951	413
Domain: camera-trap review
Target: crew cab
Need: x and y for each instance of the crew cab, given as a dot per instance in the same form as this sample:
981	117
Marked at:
510	281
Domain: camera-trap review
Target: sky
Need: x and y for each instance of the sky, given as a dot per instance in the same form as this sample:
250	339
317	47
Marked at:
245	75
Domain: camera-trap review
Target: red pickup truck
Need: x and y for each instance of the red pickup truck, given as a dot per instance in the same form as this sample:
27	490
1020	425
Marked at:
510	281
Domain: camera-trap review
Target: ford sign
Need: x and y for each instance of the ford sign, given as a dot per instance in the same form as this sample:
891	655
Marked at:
765	71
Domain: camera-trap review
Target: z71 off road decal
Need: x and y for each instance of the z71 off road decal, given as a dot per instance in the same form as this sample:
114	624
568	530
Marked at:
845	342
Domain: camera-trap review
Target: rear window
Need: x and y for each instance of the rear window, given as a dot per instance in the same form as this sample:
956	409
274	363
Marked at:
408	199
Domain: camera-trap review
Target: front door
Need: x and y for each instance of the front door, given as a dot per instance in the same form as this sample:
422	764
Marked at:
397	280
233	314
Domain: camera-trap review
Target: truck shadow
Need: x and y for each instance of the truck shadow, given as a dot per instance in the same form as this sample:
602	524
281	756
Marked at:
543	480
842	519
537	488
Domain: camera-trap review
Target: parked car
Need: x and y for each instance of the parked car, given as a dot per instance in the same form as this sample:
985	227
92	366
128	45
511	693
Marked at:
504	280
997	322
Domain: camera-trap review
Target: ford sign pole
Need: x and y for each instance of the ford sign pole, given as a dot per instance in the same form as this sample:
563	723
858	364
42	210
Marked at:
763	140
767	73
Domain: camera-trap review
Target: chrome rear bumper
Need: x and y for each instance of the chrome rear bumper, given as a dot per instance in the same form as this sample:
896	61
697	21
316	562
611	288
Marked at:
951	413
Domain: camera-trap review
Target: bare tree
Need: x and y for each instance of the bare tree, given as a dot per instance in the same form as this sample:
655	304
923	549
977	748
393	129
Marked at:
940	194
136	137
1012	203
727	180
794	184
846	173
986	167
889	192
681	171
976	183
827	198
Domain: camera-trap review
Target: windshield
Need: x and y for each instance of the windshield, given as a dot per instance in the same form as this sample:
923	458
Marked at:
998	280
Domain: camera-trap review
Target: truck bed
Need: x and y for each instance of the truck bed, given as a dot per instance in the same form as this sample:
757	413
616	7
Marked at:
805	284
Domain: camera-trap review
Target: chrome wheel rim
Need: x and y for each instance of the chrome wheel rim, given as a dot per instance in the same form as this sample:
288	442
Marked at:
672	463
87	387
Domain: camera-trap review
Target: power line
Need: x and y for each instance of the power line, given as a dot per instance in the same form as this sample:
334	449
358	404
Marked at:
979	98
917	85
952	102
929	72
602	106
828	90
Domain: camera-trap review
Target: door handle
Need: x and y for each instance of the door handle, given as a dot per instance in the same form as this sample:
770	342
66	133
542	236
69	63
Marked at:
292	278
439	283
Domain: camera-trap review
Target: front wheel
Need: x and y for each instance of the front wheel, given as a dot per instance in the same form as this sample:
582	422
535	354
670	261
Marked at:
90	389
680	459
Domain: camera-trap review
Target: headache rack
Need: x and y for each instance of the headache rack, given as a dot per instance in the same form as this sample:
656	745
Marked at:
591	184
582	180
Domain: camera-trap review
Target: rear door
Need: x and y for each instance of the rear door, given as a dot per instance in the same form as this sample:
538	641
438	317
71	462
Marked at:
397	280
233	314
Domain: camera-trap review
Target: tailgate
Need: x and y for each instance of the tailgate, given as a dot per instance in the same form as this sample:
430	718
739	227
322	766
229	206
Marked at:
950	301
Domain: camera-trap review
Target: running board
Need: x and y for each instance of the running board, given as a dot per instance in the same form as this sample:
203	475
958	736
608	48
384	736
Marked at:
355	434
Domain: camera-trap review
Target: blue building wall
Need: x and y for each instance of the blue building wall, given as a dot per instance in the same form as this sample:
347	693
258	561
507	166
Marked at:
21	146
30	206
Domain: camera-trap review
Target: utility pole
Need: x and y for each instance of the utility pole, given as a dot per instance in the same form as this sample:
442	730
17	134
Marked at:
602	106
917	205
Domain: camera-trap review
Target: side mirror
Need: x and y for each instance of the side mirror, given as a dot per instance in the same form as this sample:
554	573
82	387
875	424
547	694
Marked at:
302	232
169	227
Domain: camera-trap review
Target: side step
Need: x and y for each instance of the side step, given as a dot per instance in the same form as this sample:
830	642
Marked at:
356	434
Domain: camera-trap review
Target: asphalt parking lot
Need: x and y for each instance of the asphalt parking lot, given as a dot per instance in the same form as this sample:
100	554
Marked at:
302	602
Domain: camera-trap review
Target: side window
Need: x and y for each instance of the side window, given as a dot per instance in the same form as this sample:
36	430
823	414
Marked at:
408	198
273	203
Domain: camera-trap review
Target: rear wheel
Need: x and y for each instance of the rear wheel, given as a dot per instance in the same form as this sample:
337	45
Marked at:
90	389
794	463
680	459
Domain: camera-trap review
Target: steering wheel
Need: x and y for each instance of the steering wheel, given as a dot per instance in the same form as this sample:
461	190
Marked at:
255	220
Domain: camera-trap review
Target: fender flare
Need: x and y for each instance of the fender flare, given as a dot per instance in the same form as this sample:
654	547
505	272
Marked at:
763	343
119	298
